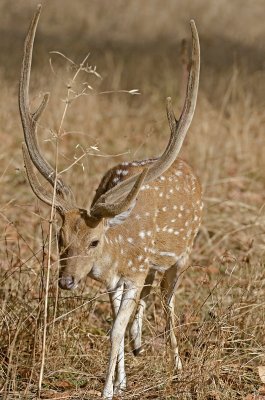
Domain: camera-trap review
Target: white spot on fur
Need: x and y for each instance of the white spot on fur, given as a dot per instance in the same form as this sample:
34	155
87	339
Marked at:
142	234
167	254
189	233
152	251
130	240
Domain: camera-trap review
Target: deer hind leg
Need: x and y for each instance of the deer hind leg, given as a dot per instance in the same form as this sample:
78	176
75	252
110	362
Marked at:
127	305
137	324
169	285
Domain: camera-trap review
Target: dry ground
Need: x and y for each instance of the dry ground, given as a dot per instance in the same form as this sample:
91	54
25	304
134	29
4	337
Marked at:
221	308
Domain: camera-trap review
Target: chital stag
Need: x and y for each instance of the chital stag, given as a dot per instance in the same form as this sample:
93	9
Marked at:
144	218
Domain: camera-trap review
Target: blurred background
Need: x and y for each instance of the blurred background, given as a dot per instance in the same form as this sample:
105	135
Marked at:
137	45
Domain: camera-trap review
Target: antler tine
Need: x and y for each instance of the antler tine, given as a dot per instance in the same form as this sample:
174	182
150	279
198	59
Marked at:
106	210
38	189
36	115
29	120
178	128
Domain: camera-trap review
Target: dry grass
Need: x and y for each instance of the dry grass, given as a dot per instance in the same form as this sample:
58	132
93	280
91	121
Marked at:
221	309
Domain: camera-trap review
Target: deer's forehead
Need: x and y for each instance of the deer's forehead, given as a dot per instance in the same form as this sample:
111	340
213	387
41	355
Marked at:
76	223
75	232
72	220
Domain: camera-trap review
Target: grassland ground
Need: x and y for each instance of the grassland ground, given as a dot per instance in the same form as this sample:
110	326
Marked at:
220	309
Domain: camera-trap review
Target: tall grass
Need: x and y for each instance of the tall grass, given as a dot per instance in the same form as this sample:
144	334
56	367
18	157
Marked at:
220	304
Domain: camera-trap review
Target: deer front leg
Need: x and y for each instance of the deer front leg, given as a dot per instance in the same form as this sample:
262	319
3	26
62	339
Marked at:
126	308
120	379
136	328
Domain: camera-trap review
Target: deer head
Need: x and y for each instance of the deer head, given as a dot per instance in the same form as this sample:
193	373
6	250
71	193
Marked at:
81	238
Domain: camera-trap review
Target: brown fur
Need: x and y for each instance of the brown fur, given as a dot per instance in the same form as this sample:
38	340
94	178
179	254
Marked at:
164	222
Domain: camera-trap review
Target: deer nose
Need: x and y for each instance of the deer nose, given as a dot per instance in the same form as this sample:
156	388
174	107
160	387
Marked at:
67	282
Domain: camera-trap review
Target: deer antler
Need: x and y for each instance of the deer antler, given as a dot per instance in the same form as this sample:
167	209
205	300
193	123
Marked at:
29	121
178	129
44	195
112	202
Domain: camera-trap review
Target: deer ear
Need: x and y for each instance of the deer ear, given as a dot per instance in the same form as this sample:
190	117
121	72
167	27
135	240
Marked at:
120	218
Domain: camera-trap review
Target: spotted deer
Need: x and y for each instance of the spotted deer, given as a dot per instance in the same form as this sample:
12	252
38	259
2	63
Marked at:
144	218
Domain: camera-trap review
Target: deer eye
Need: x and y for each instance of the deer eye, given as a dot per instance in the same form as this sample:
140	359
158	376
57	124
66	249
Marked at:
94	243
